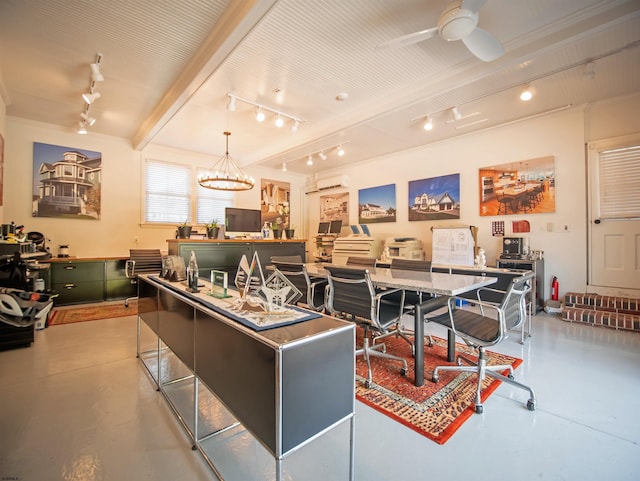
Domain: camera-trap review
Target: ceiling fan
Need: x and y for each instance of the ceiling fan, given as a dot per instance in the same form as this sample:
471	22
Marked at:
459	21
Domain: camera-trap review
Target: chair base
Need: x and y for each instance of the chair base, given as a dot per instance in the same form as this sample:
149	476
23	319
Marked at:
369	350
482	370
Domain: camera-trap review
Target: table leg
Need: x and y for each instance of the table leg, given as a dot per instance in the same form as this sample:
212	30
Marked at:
418	327
451	346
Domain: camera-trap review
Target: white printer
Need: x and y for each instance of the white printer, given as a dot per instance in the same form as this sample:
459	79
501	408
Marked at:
355	245
404	248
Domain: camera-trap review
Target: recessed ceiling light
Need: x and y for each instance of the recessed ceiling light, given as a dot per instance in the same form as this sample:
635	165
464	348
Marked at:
341	97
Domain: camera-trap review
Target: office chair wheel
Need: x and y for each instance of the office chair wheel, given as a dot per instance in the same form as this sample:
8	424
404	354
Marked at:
367	384
531	405
479	408
510	376
403	371
435	378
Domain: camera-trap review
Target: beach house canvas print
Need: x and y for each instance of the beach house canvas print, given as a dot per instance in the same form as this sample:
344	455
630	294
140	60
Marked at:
377	204
437	198
66	182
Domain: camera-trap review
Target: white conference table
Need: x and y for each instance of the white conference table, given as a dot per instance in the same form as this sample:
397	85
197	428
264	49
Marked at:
436	283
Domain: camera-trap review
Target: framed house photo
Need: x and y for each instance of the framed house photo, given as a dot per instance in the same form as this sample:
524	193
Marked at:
66	182
436	198
377	204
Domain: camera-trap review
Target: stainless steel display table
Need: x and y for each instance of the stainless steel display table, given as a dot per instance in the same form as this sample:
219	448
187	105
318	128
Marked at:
286	385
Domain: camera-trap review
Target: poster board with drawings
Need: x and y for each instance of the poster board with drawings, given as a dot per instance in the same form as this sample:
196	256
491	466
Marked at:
453	245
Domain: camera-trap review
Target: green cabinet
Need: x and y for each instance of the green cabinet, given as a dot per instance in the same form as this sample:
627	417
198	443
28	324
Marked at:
78	281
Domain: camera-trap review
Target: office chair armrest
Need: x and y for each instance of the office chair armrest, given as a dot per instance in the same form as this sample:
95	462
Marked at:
129	269
382	293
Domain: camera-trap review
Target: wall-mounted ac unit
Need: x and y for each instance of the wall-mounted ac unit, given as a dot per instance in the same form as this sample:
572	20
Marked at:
311	188
333	182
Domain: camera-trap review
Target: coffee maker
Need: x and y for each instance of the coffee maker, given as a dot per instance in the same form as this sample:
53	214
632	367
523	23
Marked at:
515	247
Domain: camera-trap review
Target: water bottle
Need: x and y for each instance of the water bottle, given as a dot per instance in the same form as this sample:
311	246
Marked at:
193	273
265	230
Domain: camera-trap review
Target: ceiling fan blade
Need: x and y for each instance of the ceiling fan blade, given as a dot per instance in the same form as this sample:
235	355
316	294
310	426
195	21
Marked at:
409	39
473	5
483	45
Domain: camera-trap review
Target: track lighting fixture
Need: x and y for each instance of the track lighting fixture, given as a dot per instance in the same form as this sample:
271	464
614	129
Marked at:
284	167
526	93
322	152
589	72
281	117
340	150
89	120
322	155
309	160
428	124
91	96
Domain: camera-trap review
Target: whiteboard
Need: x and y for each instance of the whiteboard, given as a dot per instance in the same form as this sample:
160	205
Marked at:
452	246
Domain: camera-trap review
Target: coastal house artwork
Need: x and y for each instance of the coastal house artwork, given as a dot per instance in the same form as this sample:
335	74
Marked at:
436	198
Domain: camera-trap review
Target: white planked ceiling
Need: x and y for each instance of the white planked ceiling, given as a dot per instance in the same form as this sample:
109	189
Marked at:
169	65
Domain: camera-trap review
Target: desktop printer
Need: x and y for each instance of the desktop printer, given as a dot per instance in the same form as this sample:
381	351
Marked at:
404	248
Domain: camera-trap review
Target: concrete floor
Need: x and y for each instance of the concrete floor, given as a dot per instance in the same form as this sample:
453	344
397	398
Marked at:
78	405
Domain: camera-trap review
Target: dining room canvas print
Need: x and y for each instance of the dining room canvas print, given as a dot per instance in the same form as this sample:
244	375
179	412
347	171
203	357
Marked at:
377	204
436	198
517	188
66	182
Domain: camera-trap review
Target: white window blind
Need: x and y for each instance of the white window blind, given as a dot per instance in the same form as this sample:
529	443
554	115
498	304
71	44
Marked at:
619	172
211	203
167	192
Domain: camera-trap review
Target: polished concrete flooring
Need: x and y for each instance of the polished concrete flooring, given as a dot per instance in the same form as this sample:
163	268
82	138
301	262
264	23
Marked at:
78	405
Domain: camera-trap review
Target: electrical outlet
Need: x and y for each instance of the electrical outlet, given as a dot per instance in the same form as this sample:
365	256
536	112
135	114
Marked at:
566	228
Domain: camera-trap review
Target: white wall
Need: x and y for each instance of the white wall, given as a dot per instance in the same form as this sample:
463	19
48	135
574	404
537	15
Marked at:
3	132
561	135
119	225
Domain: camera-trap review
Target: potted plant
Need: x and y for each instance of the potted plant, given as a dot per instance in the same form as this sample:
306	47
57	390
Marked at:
275	227
184	230
213	229
290	232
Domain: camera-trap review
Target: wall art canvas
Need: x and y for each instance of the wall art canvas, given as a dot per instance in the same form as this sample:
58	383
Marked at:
275	198
66	182
436	198
377	204
517	188
335	207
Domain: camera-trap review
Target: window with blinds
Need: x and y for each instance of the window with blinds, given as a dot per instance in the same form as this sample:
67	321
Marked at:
619	178
171	198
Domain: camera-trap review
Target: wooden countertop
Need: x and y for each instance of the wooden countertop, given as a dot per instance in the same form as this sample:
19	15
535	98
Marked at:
76	259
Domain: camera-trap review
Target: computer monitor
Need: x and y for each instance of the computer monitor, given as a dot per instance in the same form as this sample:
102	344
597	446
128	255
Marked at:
242	220
323	228
335	226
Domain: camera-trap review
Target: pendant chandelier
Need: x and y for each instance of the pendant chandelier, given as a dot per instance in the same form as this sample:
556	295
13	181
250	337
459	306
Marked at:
226	174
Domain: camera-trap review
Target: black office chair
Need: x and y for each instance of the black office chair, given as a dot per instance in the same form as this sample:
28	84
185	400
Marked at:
351	294
361	261
480	331
142	261
313	290
409	301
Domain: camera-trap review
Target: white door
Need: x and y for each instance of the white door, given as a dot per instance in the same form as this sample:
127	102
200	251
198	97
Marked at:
614	215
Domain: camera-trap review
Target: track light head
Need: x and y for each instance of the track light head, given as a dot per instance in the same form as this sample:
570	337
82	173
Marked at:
279	121
89	120
82	129
526	93
284	167
96	75
322	155
340	151
231	104
295	125
91	97
309	160
428	124
260	115
455	113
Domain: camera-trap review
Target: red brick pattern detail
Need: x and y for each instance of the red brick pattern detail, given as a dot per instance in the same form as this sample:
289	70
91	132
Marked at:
608	311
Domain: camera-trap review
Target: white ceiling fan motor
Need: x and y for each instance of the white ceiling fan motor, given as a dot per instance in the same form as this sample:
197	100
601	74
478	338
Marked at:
456	22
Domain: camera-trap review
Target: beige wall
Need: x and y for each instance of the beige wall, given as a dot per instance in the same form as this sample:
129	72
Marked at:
115	233
561	135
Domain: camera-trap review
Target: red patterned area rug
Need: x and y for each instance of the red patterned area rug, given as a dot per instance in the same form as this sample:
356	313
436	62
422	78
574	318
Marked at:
92	312
434	410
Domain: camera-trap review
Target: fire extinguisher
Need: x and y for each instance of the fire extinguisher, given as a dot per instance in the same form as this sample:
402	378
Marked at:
555	286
